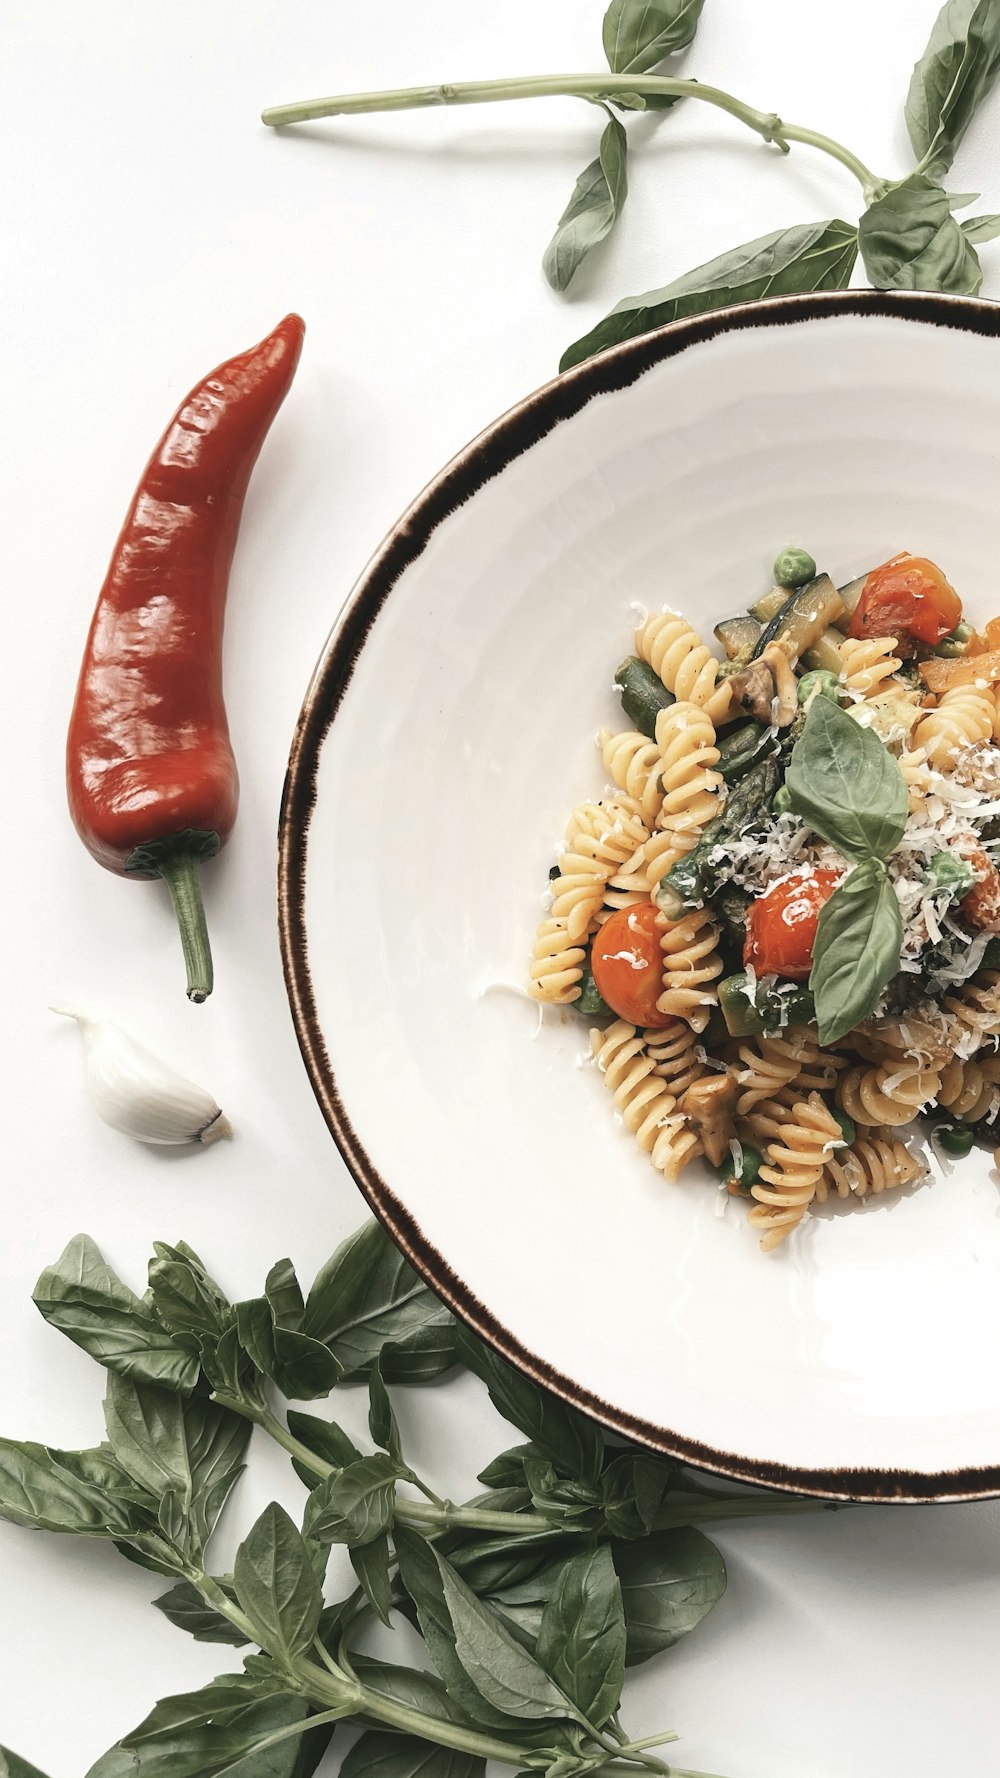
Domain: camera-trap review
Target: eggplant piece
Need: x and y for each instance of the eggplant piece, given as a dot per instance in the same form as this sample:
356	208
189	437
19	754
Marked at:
803	617
824	656
770	604
736	633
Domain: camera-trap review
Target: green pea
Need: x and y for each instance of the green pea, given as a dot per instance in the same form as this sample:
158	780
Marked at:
793	567
820	683
947	871
782	800
847	1126
748	1174
955	1139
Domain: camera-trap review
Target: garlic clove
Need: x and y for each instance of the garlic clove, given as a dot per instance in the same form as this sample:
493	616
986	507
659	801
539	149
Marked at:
137	1093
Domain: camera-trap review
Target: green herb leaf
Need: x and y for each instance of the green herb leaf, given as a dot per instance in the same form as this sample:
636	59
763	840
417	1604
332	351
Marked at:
490	1564
669	1583
407	1685
911	241
845	784
379	1754
276	1584
186	1300
193	1449
356	1505
632	1489
13	1766
36	1492
372	1563
596	203
573	1444
503	1672
952	77
82	1297
99	1468
282	1290
639	33
981	228
325	1439
581	1639
367	1302
226	1728
185	1607
507	1470
301	1367
815	256
858	940
381	1419
420	1571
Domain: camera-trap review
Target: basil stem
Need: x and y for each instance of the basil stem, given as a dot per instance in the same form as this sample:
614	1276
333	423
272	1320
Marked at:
593	87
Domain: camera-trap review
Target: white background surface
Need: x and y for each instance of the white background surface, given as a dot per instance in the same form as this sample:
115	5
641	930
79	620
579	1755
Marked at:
152	227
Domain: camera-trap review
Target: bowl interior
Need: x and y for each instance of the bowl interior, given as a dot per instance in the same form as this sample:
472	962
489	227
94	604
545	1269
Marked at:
449	731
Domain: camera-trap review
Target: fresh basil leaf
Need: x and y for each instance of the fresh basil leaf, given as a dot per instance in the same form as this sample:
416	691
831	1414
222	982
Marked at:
490	1564
581	1639
355	1506
856	951
420	1573
372	1563
227	1366
13	1766
639	33
669	1583
325	1439
301	1367
276	1584
981	228
99	1468
501	1669
187	1301
382	1754
258	1737
381	1419
367	1302
194	1449
572	1443
507	1470
185	1607
407	1685
597	201
282	1290
82	1297
910	240
38	1493
845	784
952	77
633	1489
814	256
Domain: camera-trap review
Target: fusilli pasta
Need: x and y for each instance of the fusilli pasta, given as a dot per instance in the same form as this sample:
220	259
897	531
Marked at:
794	1163
875	1163
678	655
691	964
963	716
888	1094
868	664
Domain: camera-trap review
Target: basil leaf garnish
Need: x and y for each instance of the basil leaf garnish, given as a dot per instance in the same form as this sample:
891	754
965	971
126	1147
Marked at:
952	77
910	241
596	203
845	784
814	256
639	33
857	948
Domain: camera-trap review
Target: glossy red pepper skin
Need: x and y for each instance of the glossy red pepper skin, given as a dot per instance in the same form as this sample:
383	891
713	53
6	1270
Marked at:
151	776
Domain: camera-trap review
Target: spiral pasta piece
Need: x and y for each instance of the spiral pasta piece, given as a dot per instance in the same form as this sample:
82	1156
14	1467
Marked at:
600	837
877	1162
971	1090
769	1063
629	886
691	964
867	664
964	715
792	1170
678	655
633	761
556	964
972	1013
647	1106
889	1094
674	1050
690	787
917	773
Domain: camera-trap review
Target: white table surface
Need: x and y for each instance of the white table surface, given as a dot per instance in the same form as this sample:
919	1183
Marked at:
152	227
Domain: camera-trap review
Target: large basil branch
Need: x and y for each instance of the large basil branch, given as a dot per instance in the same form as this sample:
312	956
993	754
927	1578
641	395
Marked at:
848	787
908	236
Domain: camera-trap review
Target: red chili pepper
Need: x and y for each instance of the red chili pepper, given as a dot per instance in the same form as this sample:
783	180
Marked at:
152	781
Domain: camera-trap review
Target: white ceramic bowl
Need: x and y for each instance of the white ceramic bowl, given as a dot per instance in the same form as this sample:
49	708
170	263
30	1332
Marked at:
446	734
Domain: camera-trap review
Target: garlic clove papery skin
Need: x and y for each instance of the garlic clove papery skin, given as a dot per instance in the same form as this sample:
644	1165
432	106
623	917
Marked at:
137	1093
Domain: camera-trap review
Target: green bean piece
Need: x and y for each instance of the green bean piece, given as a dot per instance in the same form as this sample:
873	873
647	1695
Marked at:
643	694
763	1011
955	1139
793	567
589	1001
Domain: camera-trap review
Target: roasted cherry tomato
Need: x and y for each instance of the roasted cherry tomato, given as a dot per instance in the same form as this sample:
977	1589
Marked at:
981	903
781	925
908	598
628	964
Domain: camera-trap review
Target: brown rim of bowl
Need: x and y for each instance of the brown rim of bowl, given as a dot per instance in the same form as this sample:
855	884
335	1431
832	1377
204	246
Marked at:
514	432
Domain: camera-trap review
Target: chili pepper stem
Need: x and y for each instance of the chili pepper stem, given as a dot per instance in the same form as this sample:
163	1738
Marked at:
180	873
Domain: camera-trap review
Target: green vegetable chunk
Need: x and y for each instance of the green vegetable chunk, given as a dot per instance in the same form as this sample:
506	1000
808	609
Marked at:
590	1001
956	1139
819	684
740	749
764	1010
751	1162
793	567
947	871
782	800
643	694
956	642
689	881
847	1125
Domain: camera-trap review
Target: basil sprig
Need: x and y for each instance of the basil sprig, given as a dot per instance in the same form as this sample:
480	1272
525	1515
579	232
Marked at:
951	79
579	1561
848	787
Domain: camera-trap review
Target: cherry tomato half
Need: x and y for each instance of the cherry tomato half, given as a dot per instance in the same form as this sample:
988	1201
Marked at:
781	925
908	598
981	903
628	964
